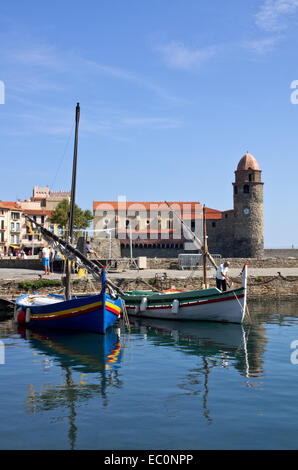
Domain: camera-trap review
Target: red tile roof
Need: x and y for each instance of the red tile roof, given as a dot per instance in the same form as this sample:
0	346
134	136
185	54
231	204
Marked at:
10	205
37	212
186	208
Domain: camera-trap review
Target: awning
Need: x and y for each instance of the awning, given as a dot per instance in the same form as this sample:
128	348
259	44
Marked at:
15	246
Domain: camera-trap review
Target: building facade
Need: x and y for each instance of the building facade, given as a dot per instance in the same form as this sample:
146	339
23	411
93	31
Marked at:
151	228
40	207
15	232
10	227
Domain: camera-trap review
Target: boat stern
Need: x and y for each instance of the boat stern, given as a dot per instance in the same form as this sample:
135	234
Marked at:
112	310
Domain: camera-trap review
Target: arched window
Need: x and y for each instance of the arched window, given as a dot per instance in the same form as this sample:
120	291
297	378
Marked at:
246	188
235	190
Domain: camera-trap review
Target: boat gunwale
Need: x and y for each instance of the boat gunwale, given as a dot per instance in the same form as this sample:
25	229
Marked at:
191	296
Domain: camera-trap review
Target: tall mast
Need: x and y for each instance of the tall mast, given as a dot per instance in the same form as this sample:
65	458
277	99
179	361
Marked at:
205	250
72	203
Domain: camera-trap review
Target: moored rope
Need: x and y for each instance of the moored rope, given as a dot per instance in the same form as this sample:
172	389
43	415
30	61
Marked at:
125	316
265	281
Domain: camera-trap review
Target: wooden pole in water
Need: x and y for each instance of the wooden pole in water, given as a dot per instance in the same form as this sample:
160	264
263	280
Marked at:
72	204
204	247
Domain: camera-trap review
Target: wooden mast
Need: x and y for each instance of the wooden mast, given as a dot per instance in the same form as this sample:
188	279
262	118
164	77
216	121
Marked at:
72	204
205	250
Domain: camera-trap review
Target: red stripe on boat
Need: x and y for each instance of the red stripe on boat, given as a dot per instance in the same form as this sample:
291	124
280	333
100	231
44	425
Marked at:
112	310
191	304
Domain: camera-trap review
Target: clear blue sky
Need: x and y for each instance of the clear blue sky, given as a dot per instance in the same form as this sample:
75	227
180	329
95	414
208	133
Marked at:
172	94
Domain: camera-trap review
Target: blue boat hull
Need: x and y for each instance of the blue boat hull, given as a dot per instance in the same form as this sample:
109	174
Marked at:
93	313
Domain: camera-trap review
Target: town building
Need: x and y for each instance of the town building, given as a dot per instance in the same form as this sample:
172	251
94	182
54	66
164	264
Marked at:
10	227
151	228
48	199
40	208
16	233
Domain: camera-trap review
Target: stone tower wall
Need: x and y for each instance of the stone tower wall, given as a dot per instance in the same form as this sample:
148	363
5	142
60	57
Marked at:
221	236
248	228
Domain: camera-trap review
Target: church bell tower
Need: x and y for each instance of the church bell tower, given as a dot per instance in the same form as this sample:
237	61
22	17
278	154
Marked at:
248	209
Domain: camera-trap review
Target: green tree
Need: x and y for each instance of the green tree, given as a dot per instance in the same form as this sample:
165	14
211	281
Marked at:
60	217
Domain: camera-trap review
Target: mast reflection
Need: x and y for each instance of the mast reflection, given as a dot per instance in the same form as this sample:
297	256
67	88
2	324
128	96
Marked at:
92	355
215	345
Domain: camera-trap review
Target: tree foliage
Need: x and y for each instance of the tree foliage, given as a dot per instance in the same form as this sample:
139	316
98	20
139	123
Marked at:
60	216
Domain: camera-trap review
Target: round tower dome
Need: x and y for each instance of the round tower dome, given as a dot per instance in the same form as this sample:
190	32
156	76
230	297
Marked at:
248	162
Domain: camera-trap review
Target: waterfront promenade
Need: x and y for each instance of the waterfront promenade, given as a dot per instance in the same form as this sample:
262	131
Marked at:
131	274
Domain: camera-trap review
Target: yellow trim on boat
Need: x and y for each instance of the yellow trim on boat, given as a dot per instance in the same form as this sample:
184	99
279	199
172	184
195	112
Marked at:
69	310
115	307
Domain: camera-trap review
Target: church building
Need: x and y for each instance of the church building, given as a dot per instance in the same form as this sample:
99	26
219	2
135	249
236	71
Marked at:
151	229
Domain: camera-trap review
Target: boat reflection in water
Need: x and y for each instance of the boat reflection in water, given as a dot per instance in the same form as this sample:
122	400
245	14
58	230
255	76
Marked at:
87	352
216	345
83	353
90	363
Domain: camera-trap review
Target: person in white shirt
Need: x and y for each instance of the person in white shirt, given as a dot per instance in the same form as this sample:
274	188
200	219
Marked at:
46	259
222	276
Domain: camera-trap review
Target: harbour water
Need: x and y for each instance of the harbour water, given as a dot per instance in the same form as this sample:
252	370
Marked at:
164	385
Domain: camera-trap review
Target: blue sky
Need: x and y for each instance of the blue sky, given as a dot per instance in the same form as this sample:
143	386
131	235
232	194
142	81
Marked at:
172	94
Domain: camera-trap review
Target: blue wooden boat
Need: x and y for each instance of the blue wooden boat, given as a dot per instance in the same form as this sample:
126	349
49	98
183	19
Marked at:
95	313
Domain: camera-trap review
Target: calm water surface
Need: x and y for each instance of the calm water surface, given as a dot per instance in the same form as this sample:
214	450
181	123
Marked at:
166	385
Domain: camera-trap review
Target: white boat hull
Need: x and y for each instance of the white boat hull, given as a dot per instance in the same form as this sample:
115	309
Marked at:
229	308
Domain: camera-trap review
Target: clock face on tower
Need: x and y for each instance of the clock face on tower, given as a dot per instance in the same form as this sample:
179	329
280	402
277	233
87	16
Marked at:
246	211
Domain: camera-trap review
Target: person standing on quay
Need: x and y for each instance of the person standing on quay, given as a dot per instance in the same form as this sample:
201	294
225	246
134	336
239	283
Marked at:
46	259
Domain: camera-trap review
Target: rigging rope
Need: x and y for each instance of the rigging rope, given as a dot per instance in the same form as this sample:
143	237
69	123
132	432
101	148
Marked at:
72	254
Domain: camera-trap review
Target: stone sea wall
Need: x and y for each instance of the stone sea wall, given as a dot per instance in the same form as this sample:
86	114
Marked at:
172	263
258	287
